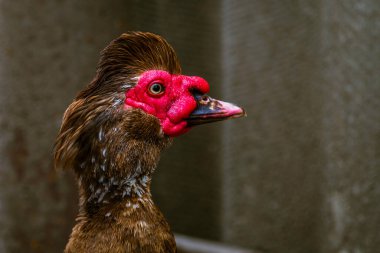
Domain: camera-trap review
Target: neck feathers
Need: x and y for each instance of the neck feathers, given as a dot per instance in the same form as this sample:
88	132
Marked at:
112	151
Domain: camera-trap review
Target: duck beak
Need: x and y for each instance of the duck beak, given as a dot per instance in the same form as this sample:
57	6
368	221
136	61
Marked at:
211	110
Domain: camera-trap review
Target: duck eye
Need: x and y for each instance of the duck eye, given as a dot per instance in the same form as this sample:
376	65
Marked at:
156	89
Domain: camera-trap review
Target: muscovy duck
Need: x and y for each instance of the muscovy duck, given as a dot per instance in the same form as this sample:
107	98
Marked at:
112	135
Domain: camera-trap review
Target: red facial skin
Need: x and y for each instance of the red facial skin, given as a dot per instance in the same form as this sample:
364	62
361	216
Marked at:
173	105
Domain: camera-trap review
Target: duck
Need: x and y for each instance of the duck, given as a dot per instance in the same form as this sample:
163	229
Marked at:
112	135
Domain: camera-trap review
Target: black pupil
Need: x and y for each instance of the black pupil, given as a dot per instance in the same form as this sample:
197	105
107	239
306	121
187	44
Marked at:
156	88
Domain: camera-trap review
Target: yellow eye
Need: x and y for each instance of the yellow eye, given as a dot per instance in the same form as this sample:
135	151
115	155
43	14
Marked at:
156	89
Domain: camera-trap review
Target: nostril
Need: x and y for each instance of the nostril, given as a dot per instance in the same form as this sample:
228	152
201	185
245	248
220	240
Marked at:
200	97
205	99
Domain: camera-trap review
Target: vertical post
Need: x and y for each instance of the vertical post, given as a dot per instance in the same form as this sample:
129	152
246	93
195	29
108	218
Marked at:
351	125
272	158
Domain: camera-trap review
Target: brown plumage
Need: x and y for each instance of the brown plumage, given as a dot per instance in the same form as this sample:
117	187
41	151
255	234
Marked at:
104	146
114	148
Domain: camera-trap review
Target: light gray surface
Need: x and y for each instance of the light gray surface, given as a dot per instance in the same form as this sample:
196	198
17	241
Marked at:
299	174
188	244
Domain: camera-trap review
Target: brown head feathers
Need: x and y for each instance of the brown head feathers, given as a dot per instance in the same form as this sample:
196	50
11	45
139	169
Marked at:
99	104
127	57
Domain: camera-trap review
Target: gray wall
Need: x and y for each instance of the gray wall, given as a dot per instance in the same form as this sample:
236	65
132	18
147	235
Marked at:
299	174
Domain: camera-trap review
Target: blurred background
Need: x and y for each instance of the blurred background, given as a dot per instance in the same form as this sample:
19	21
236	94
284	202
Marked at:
300	174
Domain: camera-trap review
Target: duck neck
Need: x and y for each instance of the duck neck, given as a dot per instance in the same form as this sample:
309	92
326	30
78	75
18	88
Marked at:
104	194
123	177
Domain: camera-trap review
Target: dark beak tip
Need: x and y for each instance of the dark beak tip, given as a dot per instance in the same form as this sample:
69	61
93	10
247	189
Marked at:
244	114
